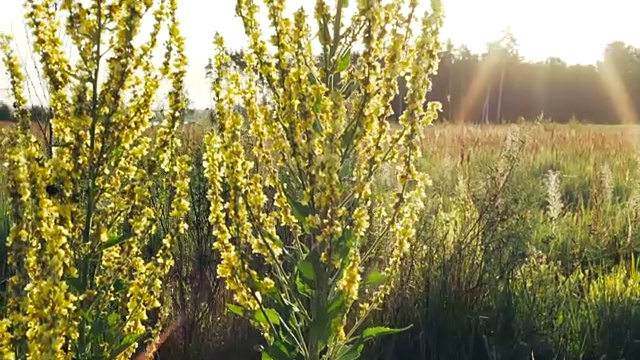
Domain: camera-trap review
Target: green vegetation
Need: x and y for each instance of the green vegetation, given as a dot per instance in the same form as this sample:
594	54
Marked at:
507	261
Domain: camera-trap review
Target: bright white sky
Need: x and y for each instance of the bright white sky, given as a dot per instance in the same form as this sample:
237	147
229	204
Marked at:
574	30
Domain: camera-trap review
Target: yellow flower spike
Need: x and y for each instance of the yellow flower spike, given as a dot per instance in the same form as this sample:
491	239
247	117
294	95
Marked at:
292	178
108	161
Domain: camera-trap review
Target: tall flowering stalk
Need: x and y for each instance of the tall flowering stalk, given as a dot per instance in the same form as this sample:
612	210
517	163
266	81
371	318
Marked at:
82	285
297	218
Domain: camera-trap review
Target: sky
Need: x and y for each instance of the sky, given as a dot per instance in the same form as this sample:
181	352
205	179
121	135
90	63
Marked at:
573	30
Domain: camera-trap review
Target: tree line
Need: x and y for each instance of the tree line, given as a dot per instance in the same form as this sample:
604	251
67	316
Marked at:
38	113
499	86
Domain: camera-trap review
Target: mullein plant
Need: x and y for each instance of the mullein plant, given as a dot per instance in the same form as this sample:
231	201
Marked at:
297	218
82	287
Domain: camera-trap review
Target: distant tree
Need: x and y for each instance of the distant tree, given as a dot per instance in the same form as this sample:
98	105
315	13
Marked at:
447	59
6	112
504	53
189	109
621	66
209	76
40	114
509	55
209	70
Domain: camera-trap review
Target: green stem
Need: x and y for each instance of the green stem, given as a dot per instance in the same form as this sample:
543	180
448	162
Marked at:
84	271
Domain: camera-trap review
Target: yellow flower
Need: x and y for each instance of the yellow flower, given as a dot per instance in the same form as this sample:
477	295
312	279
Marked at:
295	174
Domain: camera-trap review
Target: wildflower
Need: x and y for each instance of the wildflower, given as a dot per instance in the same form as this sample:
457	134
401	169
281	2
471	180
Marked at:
307	159
554	194
108	158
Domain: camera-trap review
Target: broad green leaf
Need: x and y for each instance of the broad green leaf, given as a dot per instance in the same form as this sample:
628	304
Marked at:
300	212
302	287
375	278
337	303
320	329
344	62
87	315
306	269
346	170
345	3
370	333
99	326
117	152
343	247
238	310
271	317
75	283
276	352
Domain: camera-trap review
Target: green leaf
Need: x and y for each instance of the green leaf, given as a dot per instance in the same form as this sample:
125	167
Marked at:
276	352
344	62
276	240
75	283
345	3
238	310
375	278
303	288
321	327
317	127
114	241
300	212
272	317
113	319
312	79
119	285
117	152
323	33
372	332
99	326
346	169
352	352
306	269
336	304
125	344
342	247
347	138
320	330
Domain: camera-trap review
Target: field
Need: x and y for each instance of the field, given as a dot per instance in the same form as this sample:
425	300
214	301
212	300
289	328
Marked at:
527	247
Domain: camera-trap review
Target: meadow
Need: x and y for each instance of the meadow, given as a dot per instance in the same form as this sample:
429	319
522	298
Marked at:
527	248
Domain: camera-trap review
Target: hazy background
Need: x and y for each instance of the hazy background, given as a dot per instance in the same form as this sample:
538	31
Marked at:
573	30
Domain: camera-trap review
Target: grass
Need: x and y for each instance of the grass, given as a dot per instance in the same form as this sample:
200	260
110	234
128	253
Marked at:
497	276
506	264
